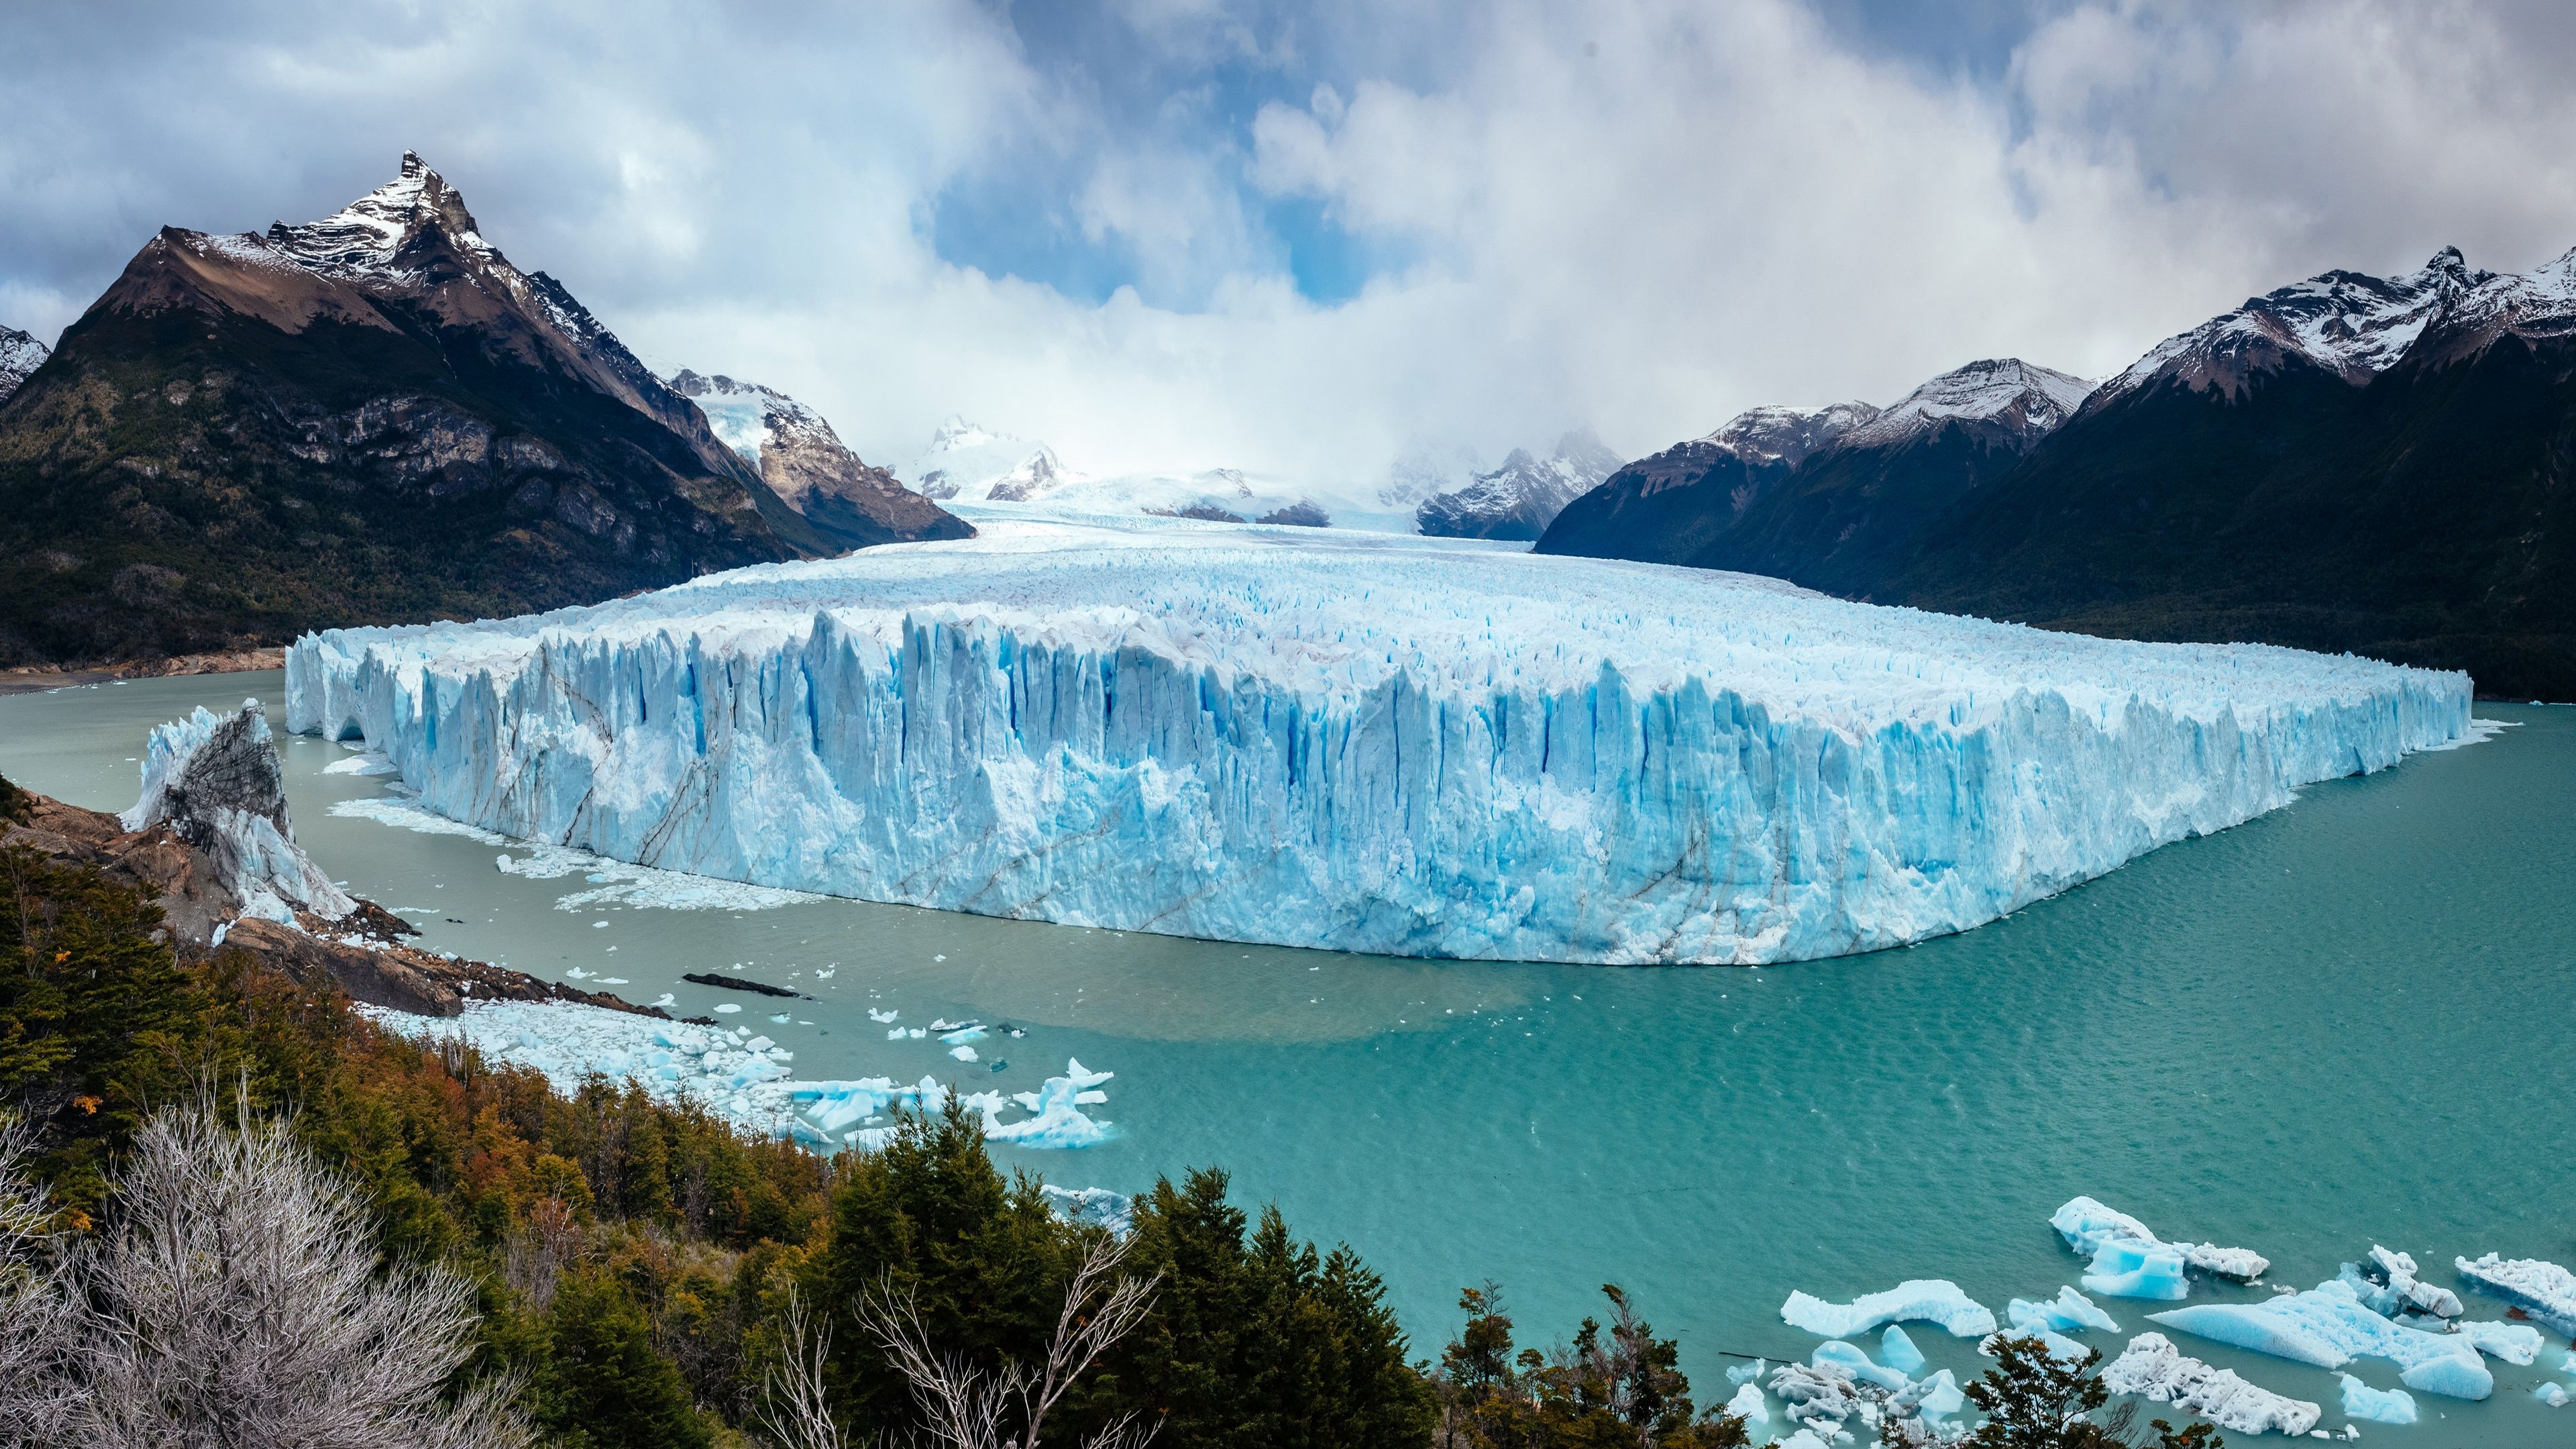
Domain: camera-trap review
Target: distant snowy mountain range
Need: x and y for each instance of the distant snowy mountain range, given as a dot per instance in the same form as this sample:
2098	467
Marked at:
2385	465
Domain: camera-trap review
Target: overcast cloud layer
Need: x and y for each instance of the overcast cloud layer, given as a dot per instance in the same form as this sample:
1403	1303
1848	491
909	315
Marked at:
1189	233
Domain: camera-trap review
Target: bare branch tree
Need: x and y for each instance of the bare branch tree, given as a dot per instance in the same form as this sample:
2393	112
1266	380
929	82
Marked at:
38	1391
237	1301
793	1410
967	1406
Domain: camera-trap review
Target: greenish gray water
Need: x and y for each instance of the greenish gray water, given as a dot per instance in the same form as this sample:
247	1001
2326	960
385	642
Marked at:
2340	1024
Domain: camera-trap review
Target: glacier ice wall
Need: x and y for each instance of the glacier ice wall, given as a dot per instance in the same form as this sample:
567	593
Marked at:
1392	745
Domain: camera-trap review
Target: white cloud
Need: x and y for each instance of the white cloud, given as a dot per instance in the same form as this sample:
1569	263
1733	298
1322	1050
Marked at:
1642	215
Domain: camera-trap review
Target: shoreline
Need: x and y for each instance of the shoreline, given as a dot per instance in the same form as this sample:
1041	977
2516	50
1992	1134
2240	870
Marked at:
38	679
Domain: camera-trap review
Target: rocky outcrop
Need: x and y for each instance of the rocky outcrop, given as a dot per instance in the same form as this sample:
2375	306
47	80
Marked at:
805	463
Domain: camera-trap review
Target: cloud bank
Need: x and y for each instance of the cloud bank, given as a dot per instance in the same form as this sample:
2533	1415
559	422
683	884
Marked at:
1186	233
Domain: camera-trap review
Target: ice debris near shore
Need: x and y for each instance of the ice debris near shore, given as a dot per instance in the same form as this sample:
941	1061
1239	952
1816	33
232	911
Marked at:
2129	1261
1406	746
2068	1312
2329	1326
217	783
2153	1368
738	1076
2540	1288
1917	1300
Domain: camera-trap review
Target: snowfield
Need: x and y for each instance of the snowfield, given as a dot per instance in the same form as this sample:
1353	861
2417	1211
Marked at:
1368	743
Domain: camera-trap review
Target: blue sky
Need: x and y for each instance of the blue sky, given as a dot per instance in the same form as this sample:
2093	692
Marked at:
1308	238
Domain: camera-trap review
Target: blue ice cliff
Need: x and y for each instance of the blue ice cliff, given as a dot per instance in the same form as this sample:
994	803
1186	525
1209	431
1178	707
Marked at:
1400	745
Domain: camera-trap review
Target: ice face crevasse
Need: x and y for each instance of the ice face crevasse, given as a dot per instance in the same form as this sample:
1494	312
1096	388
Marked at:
1394	745
218	785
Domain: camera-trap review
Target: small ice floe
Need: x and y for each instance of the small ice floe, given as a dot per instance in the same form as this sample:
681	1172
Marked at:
2552	1395
2514	1343
2328	1326
964	1034
366	763
1927	1300
962	1053
2379	1406
727	1008
828	972
2538	1287
879	1017
1095	1205
2131	1262
665	1001
2153	1368
1896	1349
1745	1373
2068	1312
1749	1405
1851	1360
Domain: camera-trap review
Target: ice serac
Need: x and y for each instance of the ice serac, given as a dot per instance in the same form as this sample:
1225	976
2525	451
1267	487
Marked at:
216	782
2153	1368
1406	746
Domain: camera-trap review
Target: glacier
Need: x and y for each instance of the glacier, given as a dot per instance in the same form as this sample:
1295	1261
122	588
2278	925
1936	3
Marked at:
1370	743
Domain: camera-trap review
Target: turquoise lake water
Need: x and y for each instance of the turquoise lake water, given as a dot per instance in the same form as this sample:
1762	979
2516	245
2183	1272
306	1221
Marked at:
2347	1022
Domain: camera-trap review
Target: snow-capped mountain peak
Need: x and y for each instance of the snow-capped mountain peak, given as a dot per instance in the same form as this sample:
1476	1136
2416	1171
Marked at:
976	465
2351	324
745	415
20	354
1519	499
371	234
2016	400
1788	435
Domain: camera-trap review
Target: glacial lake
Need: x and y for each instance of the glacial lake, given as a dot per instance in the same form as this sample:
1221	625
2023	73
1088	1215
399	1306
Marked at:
2344	1023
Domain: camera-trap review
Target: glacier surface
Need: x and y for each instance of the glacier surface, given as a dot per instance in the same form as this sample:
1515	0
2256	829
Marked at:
1369	743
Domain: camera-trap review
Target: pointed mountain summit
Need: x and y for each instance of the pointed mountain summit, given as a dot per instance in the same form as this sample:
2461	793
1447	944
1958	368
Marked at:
20	355
374	417
972	465
1521	498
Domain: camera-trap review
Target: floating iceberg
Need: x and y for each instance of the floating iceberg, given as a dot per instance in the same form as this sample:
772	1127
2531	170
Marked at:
2379	1406
1395	745
2513	1343
1850	1359
1749	1405
1896	1349
1816	1394
1918	1300
2153	1368
2389	1287
2542	1289
2129	1261
2068	1312
2328	1326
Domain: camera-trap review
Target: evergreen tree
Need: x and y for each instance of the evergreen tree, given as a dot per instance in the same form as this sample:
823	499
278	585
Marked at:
603	1385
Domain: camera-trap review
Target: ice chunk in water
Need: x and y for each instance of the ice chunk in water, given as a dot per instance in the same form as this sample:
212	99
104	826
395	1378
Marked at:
2379	1406
2131	1262
1851	1360
2515	1343
2552	1395
2329	1326
1925	1300
2153	1368
2068	1312
2540	1288
1745	1373
1749	1405
1897	1351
